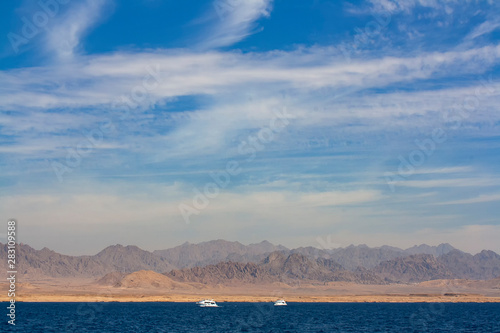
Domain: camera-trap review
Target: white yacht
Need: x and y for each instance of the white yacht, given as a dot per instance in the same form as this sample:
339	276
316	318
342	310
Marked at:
204	301
207	303
280	302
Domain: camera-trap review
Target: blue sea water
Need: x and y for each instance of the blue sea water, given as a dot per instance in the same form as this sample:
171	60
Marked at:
255	317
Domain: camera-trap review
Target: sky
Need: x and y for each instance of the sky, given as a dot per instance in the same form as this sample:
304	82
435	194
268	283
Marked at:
304	123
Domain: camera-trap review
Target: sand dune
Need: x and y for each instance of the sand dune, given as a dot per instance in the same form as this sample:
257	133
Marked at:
150	279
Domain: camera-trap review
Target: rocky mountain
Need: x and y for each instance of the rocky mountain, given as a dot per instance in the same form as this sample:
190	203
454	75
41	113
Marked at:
482	266
430	263
191	255
436	251
226	273
276	267
452	264
310	252
222	261
131	259
35	264
352	256
414	268
299	267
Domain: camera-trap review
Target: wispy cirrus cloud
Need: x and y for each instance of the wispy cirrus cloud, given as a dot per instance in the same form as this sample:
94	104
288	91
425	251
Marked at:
483	29
99	80
234	21
478	199
64	36
408	5
448	170
452	183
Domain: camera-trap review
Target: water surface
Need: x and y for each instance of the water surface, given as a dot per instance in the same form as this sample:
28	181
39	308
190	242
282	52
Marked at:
256	317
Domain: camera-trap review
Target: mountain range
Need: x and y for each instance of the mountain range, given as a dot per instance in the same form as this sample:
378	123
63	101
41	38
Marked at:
38	264
223	262
276	267
190	255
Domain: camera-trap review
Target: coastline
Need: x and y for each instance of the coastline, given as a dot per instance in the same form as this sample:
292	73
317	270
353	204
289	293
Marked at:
259	298
87	290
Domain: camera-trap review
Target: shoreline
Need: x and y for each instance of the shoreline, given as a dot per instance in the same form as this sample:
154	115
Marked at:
254	298
86	290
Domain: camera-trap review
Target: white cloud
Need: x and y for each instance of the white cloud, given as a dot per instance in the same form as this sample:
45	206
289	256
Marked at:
407	5
235	20
456	182
64	36
128	212
447	170
482	29
98	82
478	199
338	198
93	203
45	118
101	80
93	207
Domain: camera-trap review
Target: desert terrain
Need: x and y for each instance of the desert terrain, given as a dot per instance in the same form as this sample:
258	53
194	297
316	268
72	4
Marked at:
148	286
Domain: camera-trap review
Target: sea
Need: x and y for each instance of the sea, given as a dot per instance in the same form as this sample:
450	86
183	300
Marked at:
254	317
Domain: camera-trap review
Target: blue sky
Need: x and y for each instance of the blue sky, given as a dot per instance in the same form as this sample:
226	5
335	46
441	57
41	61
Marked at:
158	122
